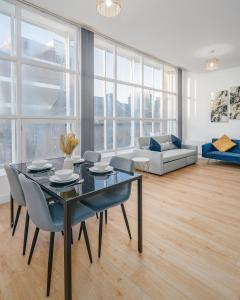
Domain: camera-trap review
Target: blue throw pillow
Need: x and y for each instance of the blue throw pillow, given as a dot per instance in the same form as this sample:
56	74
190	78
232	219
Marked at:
154	145
176	141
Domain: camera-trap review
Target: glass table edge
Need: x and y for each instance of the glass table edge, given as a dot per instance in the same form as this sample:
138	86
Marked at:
135	176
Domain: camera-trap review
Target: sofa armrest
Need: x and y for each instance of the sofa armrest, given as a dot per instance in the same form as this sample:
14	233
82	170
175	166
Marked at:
190	147
207	148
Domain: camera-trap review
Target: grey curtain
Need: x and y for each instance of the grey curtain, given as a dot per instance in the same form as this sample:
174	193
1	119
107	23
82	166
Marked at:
87	91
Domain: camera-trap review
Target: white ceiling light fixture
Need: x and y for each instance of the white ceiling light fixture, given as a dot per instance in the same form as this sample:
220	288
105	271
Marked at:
212	63
109	8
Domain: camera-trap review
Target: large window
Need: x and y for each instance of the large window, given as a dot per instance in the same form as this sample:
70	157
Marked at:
38	83
134	96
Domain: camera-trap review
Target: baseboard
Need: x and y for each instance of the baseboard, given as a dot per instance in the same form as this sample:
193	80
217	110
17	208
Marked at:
4	199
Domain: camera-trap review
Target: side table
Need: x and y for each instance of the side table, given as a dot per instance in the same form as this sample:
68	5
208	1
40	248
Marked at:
141	163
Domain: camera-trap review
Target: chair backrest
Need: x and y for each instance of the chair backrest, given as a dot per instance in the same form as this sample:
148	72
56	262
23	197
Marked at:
122	163
125	165
36	204
92	156
15	186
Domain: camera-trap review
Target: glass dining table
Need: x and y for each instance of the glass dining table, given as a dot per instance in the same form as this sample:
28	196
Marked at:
87	184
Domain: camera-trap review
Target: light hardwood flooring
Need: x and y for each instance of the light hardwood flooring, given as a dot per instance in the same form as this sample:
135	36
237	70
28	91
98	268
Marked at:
191	245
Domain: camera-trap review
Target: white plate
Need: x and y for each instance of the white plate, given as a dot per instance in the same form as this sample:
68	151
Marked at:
66	188
56	179
95	170
35	168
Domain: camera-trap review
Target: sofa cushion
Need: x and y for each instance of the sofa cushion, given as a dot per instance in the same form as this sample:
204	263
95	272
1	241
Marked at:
163	138
235	149
224	144
154	145
167	146
145	148
175	154
176	141
226	156
145	140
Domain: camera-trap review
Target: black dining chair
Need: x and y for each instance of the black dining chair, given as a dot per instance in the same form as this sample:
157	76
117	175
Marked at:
107	199
50	217
18	196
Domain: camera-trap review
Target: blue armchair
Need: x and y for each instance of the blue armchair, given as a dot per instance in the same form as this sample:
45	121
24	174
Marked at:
233	155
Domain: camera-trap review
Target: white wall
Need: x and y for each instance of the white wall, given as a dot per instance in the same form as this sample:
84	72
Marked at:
197	90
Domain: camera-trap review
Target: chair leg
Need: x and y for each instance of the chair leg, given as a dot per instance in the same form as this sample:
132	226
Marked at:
25	233
97	215
106	217
126	221
50	259
16	219
11	211
80	231
71	236
100	234
33	245
84	228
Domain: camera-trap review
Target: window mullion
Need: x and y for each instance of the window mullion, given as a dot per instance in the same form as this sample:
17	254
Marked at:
67	75
105	114
132	115
142	100
19	134
115	100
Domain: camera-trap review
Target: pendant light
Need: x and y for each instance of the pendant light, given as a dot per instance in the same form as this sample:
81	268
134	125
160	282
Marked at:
109	8
212	64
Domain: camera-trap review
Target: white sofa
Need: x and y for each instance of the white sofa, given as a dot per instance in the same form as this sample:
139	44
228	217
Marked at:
166	161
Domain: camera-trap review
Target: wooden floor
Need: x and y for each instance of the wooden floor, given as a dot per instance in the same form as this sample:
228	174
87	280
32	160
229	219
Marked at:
191	245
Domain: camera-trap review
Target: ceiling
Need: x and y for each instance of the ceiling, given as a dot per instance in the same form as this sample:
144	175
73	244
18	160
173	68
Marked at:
181	32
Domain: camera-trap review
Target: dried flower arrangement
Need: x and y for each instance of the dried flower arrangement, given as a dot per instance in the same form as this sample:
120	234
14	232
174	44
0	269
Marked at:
68	142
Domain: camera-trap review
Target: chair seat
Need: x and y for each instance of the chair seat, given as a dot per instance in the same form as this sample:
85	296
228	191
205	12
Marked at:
80	212
105	200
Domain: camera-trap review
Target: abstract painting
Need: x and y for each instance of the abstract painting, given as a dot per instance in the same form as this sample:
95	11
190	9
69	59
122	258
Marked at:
219	107
235	103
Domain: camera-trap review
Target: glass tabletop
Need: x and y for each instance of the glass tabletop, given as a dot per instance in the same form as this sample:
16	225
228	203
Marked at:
88	182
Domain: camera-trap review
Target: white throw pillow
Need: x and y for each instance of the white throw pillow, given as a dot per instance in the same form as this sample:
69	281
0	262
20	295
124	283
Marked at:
167	146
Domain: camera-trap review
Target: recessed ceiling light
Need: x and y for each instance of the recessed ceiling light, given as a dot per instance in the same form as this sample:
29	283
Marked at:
109	8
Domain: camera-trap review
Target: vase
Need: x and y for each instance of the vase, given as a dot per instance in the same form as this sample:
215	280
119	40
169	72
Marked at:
68	162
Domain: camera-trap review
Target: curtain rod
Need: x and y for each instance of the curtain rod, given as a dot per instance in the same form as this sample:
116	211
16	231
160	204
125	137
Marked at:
87	27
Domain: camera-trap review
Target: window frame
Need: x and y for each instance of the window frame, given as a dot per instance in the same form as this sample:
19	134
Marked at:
18	149
115	81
